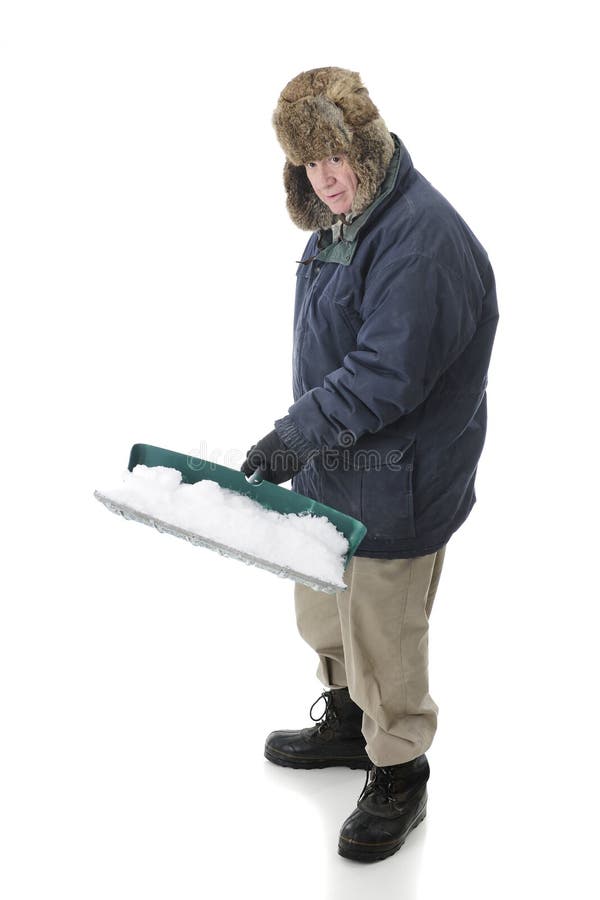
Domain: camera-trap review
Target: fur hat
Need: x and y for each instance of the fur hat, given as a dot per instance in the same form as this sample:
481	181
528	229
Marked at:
320	113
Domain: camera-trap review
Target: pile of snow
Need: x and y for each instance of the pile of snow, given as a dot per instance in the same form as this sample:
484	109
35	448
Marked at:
311	545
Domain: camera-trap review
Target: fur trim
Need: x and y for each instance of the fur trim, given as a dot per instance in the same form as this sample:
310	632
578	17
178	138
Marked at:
320	113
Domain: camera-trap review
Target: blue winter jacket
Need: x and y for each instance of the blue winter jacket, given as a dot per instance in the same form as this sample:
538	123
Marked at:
394	324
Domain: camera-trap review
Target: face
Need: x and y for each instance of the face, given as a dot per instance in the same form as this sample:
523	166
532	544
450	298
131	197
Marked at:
334	182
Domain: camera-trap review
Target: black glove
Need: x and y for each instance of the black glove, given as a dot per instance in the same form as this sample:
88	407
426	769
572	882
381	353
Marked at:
275	460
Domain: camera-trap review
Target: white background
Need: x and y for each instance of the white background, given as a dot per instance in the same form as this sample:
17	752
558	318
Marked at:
147	289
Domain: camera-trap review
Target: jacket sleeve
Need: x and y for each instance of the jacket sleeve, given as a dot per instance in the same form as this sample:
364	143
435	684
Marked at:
417	318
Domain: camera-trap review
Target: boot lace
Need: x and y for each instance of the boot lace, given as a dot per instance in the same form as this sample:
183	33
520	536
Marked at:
379	779
390	784
329	714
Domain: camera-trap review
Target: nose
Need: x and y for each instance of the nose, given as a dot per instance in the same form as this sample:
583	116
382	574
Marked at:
326	178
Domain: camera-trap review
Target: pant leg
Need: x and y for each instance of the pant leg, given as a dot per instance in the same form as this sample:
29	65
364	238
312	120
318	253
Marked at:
435	579
318	622
384	616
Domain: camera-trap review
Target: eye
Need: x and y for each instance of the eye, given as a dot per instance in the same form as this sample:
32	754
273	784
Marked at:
310	164
336	159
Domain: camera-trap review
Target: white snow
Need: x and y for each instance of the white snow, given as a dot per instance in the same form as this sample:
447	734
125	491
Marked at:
309	544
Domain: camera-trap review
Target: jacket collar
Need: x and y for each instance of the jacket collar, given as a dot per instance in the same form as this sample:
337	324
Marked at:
338	244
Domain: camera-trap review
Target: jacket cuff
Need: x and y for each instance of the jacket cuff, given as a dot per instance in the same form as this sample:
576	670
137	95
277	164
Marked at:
293	438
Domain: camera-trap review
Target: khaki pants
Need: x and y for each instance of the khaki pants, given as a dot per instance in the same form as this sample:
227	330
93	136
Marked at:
373	639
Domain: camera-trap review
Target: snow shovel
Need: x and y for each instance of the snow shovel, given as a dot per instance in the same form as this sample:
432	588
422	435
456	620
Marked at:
268	495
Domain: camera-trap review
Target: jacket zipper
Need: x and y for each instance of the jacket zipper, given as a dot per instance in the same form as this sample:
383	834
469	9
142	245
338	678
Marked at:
303	316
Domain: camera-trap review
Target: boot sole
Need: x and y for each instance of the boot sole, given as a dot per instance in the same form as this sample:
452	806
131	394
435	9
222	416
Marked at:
295	762
359	851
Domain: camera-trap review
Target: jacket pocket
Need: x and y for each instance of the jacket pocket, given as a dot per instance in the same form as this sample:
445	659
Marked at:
386	494
339	486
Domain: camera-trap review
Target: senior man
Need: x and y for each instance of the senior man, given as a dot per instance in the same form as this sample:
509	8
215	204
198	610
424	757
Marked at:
395	318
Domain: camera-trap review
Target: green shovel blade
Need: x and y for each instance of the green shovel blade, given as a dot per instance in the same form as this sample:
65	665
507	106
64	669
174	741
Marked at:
269	495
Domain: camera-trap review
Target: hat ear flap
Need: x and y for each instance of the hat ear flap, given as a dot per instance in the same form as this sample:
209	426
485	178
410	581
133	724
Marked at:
370	156
305	209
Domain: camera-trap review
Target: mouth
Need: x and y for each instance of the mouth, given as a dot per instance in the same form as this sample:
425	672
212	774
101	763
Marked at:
333	196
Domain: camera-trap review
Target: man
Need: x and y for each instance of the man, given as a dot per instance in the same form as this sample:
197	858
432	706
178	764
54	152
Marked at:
394	324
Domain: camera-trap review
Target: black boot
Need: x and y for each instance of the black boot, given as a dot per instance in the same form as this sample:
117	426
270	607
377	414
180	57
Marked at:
392	803
336	741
